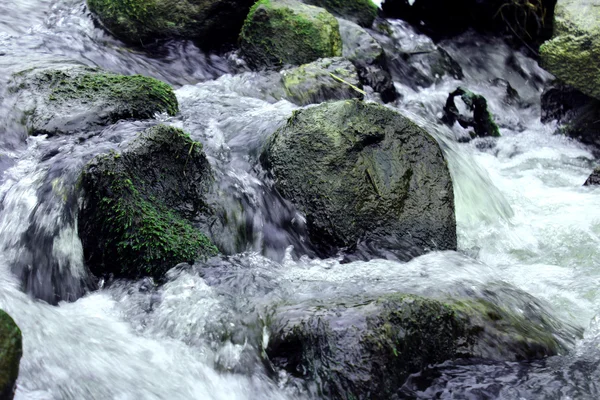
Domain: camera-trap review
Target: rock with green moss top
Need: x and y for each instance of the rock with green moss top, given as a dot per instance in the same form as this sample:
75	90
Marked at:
365	348
482	121
362	12
573	54
368	180
142	207
322	80
75	98
279	32
211	23
11	350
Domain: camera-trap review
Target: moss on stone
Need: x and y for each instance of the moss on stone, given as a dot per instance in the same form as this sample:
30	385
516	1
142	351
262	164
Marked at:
363	12
11	350
133	223
278	32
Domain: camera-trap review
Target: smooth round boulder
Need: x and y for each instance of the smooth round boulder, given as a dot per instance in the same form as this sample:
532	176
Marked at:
11	350
368	180
210	23
141	208
279	32
362	12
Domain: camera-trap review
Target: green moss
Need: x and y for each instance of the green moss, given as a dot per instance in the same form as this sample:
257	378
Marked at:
363	12
11	350
279	32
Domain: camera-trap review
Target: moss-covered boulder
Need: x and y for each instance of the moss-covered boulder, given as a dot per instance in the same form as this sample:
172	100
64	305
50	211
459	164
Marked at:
325	79
369	58
366	178
211	23
141	207
482	120
11	350
279	32
75	98
573	54
362	12
365	348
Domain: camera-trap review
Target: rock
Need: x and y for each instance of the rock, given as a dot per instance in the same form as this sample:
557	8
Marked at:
365	348
210	23
482	121
11	350
75	98
364	176
362	12
573	54
529	21
368	57
279	32
321	80
594	178
140	207
577	113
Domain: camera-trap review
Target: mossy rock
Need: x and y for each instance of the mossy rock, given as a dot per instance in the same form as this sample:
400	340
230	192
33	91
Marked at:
75	98
573	54
482	121
279	32
366	178
141	207
362	12
211	23
365	348
11	350
322	80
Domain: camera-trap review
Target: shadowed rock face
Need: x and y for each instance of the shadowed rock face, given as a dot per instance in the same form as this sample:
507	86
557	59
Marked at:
367	179
362	12
140	207
11	350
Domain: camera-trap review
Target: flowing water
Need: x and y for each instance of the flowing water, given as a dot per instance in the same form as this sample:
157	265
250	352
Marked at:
529	233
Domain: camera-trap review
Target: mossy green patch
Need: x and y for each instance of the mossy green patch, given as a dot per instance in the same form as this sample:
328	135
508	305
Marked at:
11	350
363	12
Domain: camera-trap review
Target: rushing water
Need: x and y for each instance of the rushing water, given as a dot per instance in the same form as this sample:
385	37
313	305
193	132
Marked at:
529	233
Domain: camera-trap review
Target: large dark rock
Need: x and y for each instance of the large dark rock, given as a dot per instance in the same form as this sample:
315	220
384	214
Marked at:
366	348
364	175
11	350
368	56
141	208
279	32
529	21
211	23
76	98
362	12
578	114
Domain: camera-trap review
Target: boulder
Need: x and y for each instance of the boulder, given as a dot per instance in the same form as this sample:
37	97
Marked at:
368	180
75	98
362	12
528	20
368	57
482	120
573	54
210	23
594	178
279	32
11	350
578	115
365	348
325	79
141	208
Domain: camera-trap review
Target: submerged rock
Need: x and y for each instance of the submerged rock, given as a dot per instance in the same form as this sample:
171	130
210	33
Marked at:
76	98
594	178
325	79
210	23
578	115
362	12
140	207
279	32
11	350
367	179
368	57
366	348
482	121
573	54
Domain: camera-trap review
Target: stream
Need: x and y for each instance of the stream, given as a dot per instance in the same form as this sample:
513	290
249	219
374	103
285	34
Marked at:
528	231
